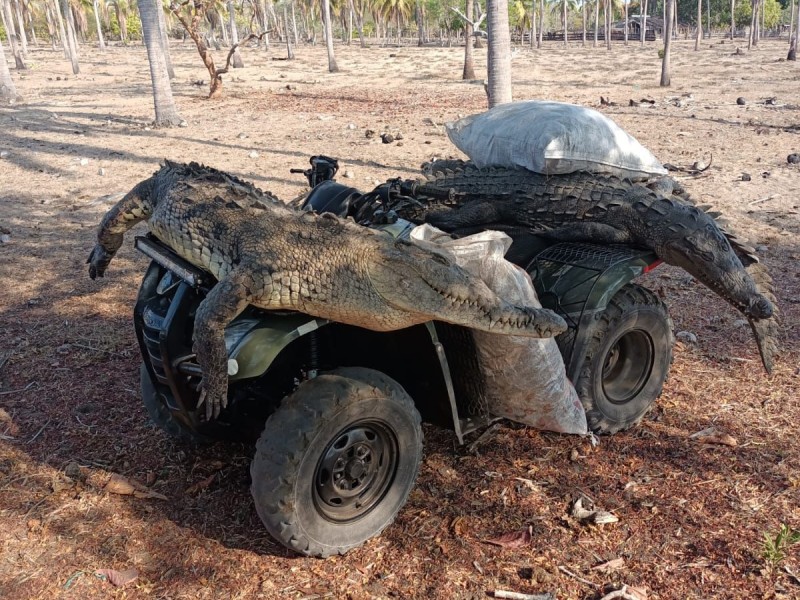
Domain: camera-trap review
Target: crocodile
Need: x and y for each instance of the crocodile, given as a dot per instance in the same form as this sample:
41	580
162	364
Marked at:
265	254
589	207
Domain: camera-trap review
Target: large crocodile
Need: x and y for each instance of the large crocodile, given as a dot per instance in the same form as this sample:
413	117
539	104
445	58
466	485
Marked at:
265	254
604	209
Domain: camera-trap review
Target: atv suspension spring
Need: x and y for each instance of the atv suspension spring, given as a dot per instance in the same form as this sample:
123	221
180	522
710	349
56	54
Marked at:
313	354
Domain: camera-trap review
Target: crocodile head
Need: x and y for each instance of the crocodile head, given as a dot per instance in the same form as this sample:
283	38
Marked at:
429	283
703	250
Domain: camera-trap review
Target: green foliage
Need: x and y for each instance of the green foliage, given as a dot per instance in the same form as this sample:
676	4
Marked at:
776	548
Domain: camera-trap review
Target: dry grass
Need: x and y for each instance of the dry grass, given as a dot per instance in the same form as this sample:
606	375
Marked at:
692	516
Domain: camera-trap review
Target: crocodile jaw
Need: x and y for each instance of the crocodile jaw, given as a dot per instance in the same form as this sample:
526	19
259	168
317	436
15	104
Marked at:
428	283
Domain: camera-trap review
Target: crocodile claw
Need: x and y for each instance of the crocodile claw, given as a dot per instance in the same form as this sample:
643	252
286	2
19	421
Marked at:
98	261
214	400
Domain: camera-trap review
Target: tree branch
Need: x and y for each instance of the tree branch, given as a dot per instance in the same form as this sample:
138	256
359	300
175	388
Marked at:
251	36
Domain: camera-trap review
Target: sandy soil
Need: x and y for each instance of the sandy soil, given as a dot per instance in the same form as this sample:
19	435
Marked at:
692	516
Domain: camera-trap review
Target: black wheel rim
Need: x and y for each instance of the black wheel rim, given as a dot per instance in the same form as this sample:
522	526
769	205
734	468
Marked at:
355	471
627	366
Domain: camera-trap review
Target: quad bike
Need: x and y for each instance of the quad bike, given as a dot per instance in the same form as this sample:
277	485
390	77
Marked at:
337	409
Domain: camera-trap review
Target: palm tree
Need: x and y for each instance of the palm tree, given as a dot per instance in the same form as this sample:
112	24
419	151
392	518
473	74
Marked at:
499	53
469	56
699	25
326	14
72	41
8	22
665	65
100	39
162	28
166	112
7	89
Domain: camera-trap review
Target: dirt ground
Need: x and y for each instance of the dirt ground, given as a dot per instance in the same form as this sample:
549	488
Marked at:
692	516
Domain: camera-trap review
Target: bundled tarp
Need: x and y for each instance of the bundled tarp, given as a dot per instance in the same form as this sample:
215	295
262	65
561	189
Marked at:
552	138
524	378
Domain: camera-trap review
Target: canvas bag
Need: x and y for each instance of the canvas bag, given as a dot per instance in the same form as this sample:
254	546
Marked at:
525	378
552	138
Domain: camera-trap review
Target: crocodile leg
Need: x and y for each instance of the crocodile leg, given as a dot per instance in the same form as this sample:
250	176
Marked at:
133	208
224	302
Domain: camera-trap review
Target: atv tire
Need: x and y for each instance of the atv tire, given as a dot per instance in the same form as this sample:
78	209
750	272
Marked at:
626	360
160	415
336	461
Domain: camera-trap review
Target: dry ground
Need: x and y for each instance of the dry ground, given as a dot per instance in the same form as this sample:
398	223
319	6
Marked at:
691	517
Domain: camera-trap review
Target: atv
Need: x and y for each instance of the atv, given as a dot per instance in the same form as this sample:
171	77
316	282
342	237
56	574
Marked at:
336	410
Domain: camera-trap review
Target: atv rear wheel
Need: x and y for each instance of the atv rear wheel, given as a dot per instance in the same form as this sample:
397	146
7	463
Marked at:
626	360
337	461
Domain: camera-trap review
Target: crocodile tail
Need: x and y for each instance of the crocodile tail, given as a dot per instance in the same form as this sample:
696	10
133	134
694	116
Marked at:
767	331
134	207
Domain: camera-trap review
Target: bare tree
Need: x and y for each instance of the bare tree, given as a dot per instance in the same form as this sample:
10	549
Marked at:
7	89
665	64
470	26
499	53
752	40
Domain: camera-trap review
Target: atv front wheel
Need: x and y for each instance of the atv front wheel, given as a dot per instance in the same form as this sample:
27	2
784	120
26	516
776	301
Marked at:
337	461
626	360
160	415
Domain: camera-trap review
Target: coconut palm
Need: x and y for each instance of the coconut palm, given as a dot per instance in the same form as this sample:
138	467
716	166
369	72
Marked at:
166	112
326	14
7	89
665	63
101	42
11	34
499	53
69	20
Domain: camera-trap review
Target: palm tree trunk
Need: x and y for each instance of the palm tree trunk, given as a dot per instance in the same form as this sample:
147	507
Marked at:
289	51
326	15
665	64
51	28
699	34
791	21
733	18
596	20
626	21
101	42
793	41
162	30
469	54
583	21
541	24
566	43
643	13
751	40
62	30
294	27
23	37
499	53
71	39
7	89
607	8
533	22
236	61
11	34
166	112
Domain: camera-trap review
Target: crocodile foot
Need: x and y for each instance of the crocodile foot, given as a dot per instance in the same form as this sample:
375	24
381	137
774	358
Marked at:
215	397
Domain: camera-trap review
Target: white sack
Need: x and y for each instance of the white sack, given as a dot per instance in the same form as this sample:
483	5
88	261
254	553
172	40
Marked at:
525	377
552	138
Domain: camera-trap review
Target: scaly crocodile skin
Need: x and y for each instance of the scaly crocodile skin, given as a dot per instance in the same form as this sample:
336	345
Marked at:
603	209
265	254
